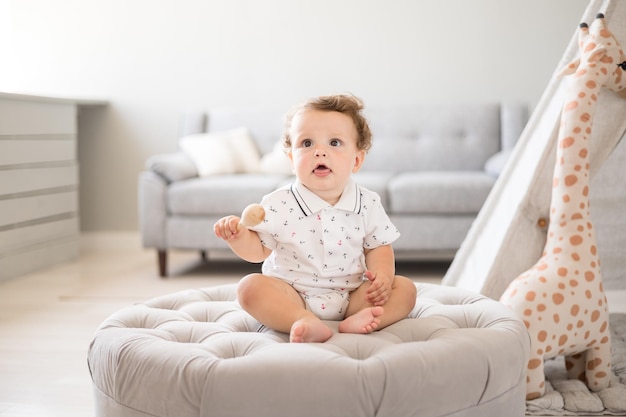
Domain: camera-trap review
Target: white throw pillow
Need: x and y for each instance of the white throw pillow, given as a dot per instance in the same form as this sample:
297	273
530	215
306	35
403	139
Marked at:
226	152
276	161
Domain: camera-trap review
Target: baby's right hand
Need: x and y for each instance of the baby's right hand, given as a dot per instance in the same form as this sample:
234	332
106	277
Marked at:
227	227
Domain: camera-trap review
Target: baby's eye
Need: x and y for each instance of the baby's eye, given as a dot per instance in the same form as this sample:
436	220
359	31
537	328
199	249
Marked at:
306	143
335	142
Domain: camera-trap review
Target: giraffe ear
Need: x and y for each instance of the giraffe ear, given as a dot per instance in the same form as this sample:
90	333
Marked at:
596	55
570	68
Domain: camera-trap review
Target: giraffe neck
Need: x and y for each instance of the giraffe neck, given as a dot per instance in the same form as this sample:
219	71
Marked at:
570	193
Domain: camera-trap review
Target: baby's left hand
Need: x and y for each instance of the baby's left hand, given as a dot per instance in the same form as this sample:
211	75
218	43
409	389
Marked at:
380	289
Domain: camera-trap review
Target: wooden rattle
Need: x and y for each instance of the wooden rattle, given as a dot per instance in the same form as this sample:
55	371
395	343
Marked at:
252	215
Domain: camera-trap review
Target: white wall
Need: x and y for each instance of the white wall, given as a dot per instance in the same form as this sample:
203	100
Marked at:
153	59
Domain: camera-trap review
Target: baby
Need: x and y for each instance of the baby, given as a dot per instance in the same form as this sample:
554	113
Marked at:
325	242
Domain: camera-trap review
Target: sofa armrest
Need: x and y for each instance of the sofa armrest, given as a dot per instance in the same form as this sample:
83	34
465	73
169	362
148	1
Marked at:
495	164
172	166
152	205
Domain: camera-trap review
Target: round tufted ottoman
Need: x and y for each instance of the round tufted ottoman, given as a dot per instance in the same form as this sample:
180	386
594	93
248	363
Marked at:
197	353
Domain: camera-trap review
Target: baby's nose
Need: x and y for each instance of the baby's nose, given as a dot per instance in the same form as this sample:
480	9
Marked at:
320	152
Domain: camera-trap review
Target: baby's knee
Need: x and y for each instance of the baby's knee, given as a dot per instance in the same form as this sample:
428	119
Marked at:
406	287
247	288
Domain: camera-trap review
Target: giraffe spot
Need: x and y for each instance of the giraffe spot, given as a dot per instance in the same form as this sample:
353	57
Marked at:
591	84
561	286
587	333
577	216
534	363
586	191
540	352
595	315
548	349
528	312
600	374
605	339
575	256
530	296
588	294
566	199
576	240
571	105
543	279
567	142
585	117
580	228
557	298
589	276
573	283
562	339
591	365
557	250
570	180
568	365
556	318
603	327
594	249
541	266
569	328
542	336
527	324
541	307
562	271
580	324
574	310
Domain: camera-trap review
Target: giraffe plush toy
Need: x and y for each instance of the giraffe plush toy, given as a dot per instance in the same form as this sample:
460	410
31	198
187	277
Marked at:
561	299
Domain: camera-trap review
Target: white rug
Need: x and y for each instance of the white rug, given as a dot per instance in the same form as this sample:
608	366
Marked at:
572	397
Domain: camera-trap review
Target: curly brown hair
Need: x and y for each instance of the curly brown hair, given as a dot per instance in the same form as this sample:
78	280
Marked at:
347	104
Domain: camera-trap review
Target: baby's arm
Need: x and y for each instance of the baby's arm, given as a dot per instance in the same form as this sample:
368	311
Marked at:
380	264
244	242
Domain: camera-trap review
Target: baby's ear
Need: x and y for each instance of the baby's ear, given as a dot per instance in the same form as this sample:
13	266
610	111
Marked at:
358	161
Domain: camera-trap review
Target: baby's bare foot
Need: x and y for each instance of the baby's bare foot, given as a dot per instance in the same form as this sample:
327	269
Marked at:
364	321
309	330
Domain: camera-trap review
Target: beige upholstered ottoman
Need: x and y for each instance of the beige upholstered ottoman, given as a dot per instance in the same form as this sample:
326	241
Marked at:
196	353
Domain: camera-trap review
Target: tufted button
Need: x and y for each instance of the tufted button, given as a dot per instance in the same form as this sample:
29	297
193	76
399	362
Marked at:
542	222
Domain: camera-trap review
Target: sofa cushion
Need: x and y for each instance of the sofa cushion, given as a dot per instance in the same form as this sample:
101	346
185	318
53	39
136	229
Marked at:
220	194
460	192
225	152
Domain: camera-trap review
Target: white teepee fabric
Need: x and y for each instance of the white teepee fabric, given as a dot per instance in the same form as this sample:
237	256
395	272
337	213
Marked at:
507	237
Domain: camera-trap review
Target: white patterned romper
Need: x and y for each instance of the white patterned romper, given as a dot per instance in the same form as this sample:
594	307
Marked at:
319	248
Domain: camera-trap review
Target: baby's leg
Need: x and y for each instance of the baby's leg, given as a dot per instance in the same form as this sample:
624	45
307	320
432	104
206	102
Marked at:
277	305
398	306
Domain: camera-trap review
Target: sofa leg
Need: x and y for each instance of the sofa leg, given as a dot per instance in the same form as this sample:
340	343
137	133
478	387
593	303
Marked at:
203	255
162	261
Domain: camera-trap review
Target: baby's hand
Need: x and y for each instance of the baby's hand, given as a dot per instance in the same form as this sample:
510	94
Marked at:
227	227
380	289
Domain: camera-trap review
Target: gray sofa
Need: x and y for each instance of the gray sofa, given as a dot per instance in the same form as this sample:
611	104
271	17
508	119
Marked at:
432	165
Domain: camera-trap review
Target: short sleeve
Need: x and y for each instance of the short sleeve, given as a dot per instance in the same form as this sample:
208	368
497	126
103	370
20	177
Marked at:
379	228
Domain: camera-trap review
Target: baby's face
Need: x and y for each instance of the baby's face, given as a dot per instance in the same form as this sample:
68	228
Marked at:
324	151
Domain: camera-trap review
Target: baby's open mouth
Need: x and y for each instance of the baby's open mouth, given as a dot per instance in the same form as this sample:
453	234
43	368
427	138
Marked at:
321	169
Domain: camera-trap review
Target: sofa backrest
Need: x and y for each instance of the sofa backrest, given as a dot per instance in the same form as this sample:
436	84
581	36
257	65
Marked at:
437	137
406	138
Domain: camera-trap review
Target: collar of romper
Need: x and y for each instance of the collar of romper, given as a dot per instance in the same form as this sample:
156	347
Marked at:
311	203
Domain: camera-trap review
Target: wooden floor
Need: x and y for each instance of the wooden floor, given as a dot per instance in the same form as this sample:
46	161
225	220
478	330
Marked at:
47	318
